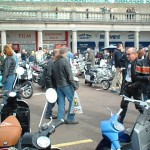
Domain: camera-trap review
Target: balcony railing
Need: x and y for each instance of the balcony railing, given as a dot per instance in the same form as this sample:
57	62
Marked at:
73	16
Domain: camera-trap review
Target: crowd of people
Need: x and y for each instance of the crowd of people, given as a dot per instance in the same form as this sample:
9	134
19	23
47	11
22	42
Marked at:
132	76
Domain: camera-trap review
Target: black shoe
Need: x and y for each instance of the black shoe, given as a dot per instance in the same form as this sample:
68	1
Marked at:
53	117
71	122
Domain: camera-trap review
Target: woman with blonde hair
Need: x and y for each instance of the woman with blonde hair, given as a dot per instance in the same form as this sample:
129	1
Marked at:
8	68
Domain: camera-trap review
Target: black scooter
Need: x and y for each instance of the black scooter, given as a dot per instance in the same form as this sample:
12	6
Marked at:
15	127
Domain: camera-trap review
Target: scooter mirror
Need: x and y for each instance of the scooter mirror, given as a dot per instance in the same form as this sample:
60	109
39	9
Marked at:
20	71
148	101
51	95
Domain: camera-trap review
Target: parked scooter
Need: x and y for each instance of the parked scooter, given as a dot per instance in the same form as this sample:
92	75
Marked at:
24	80
14	130
116	137
99	75
37	71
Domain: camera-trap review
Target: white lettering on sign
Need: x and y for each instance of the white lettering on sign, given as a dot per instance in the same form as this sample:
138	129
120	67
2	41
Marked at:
102	36
24	35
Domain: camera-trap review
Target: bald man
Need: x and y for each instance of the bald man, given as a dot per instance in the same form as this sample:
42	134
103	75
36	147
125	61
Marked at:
130	80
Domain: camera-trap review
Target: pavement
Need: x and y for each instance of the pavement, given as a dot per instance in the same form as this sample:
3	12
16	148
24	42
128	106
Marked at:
85	135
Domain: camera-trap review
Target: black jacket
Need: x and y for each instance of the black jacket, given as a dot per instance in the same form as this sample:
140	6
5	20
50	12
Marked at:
62	73
119	58
133	73
9	65
142	74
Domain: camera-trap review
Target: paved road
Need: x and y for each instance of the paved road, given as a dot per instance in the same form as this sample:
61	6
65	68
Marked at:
86	134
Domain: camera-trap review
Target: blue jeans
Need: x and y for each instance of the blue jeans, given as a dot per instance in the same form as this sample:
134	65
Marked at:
65	92
8	85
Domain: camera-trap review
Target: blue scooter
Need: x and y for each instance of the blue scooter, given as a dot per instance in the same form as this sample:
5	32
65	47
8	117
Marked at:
115	136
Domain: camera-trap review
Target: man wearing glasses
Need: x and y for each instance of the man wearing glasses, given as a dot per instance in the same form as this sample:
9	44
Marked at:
129	88
143	75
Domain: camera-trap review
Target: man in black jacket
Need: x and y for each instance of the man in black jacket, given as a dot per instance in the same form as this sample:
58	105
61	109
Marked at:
143	75
130	90
64	84
118	57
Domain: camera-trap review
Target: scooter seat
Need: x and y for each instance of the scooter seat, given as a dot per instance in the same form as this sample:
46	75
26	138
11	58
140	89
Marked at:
10	131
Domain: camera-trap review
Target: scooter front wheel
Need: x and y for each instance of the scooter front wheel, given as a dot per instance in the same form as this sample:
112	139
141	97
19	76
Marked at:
27	89
105	84
103	145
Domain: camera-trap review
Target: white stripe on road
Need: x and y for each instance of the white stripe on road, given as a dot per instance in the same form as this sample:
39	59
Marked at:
35	94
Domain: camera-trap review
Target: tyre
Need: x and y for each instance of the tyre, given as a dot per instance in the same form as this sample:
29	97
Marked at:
103	145
27	89
105	84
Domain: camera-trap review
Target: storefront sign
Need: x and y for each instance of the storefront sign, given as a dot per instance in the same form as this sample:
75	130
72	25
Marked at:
84	36
54	36
102	36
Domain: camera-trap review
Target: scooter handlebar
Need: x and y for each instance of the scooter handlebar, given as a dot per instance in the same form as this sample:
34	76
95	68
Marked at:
58	123
48	129
145	104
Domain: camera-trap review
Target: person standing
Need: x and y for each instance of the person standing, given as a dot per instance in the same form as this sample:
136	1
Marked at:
15	57
23	55
65	85
90	57
118	58
143	75
129	85
49	84
8	68
70	55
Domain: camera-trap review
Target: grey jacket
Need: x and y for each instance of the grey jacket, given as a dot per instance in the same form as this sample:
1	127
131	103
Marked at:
62	73
9	65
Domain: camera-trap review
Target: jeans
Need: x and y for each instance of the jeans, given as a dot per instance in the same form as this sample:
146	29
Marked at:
49	109
8	85
65	92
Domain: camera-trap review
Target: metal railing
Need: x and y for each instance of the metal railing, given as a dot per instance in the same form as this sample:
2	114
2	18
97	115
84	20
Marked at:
73	16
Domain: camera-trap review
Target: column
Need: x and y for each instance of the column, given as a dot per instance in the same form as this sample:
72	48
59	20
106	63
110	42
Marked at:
3	38
74	41
40	39
136	40
106	38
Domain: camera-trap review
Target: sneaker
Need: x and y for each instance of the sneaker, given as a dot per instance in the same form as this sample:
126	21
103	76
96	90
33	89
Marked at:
71	122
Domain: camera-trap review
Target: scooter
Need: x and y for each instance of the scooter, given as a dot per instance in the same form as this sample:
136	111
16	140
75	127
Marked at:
116	137
24	80
21	82
100	75
12	134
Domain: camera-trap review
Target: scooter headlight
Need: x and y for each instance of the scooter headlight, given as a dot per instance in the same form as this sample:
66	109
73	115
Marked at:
43	142
119	126
12	94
